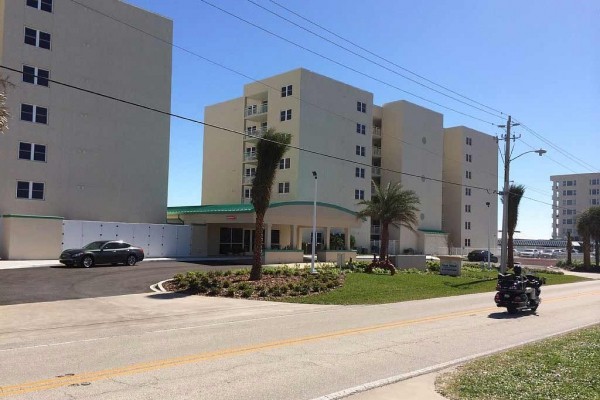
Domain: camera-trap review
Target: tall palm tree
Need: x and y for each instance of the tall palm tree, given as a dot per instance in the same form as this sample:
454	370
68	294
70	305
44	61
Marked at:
391	205
4	113
515	193
269	150
583	229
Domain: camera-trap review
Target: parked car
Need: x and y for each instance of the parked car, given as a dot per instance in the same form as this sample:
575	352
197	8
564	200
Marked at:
549	253
481	255
529	253
102	252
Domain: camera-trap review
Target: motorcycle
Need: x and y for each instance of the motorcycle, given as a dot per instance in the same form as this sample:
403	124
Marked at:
517	292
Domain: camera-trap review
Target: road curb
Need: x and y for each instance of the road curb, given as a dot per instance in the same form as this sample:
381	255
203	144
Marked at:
435	368
159	288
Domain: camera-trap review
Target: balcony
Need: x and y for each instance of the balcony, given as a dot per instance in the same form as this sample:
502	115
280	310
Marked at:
247	179
254	134
375	230
249	157
376	152
376	172
256	110
376	131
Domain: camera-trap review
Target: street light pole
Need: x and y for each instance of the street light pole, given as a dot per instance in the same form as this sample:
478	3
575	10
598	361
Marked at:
504	249
314	230
487	203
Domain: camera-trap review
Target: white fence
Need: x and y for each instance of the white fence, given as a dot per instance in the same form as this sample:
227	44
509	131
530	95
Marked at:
157	240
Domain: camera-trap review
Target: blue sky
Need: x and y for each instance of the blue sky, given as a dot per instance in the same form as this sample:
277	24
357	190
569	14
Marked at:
536	60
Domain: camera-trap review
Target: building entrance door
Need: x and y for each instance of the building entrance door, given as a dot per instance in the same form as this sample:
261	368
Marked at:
248	241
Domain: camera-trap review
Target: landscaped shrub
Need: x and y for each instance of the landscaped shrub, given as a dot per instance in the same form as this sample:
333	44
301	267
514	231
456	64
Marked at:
385	265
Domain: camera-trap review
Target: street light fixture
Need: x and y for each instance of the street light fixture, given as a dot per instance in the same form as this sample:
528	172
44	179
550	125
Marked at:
314	230
507	160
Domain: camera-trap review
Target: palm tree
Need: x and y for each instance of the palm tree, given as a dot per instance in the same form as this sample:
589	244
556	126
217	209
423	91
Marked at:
391	205
4	113
583	229
594	230
569	248
269	150
515	193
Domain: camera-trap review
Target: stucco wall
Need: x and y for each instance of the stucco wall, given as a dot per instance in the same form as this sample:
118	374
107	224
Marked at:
27	238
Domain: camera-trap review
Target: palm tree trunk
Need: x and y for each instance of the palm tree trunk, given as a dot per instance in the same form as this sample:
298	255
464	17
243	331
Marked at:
510	259
586	252
256	272
597	253
385	236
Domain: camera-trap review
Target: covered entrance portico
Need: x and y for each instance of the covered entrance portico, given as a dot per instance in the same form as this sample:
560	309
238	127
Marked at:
228	229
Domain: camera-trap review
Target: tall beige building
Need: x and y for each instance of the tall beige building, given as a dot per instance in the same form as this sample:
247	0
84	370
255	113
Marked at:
75	155
571	195
395	142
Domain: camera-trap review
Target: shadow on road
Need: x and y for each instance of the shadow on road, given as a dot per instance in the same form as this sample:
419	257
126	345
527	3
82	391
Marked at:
469	283
506	315
167	296
95	266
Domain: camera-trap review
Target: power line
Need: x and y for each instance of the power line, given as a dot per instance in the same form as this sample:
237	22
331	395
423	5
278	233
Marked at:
372	61
383	58
196	121
341	64
550	158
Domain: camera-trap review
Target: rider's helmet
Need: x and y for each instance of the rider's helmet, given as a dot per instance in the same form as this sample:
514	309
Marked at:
517	270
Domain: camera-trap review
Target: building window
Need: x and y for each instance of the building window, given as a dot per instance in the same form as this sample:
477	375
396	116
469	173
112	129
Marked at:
284	163
35	75
360	106
37	38
285	115
469	141
30	190
31	151
44	5
360	150
595	181
569	192
284	187
595	202
594	192
467	225
33	113
359	172
286	91
468	174
359	194
360	128
467	208
247	193
469	157
467	191
467	242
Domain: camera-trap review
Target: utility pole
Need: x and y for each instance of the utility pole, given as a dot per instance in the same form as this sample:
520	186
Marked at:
504	249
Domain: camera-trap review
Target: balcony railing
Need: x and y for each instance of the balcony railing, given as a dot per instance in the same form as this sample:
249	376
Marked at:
376	131
249	156
376	171
247	179
256	109
376	151
256	133
375	230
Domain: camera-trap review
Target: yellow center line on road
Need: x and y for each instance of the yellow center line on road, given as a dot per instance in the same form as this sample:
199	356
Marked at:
52	383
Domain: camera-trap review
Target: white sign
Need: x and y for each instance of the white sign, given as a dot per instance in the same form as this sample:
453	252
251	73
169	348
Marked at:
450	269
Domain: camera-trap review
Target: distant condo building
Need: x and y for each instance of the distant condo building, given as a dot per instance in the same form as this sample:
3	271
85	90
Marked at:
572	195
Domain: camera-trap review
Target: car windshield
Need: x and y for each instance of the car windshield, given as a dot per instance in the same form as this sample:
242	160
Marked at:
94	245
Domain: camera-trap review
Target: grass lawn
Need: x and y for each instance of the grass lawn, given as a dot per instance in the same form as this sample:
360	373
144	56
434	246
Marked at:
360	288
560	368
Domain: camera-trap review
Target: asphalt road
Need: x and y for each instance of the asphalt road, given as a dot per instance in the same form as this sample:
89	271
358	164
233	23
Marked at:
156	346
32	285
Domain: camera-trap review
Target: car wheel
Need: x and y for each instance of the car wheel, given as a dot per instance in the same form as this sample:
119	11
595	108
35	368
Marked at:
131	260
87	262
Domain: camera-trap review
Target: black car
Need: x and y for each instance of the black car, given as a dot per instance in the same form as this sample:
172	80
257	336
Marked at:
102	252
481	255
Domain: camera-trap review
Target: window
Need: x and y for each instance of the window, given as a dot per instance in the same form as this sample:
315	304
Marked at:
468	174
284	163
30	190
359	172
594	192
570	183
595	202
467	208
35	75
469	157
467	191
250	171
360	128
359	194
285	115
569	192
37	38
247	193
569	202
33	113
467	225
286	91
44	5
251	151
284	187
469	141
33	152
467	242
595	181
360	151
360	106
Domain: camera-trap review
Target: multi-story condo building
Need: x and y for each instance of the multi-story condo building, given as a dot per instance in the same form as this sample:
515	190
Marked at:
349	142
75	155
572	195
470	204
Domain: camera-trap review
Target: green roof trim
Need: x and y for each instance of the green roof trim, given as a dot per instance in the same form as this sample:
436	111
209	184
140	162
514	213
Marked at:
31	216
245	208
431	231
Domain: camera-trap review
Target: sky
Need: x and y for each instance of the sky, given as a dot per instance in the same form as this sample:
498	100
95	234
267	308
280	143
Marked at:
538	61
